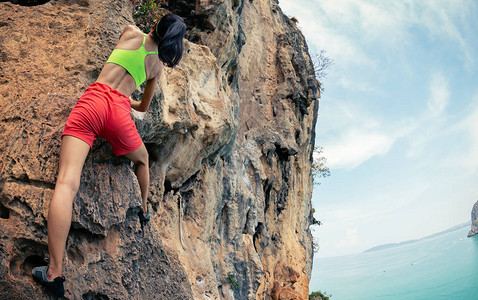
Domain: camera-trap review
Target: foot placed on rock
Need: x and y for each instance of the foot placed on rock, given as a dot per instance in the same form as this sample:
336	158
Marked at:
144	218
55	286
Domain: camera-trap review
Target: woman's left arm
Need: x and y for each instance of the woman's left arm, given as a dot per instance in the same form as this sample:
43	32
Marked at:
148	93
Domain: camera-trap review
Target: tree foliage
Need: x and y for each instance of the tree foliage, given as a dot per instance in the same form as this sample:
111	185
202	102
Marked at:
319	295
319	165
314	220
319	170
315	245
147	12
231	279
321	63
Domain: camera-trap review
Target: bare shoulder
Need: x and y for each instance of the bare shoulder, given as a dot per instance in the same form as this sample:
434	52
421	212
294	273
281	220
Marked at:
130	31
131	27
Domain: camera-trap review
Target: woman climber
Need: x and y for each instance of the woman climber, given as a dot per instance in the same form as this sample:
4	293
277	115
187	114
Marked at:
104	110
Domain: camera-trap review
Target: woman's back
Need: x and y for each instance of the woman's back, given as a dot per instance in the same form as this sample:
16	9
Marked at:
116	75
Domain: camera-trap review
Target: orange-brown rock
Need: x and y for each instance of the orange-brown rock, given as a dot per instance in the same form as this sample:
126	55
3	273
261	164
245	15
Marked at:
230	134
284	293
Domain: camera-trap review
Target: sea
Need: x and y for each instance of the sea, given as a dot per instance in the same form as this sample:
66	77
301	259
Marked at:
441	266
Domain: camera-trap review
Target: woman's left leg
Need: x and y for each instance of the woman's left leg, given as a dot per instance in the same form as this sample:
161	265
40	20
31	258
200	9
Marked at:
140	159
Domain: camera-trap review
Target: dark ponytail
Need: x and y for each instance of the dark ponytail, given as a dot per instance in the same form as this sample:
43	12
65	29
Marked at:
168	33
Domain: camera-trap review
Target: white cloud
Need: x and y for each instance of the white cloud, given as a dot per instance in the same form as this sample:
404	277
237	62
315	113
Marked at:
321	34
468	158
355	147
349	29
359	135
439	95
354	214
351	238
354	135
430	125
373	44
358	86
443	21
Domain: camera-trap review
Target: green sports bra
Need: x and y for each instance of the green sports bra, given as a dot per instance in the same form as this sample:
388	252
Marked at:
132	61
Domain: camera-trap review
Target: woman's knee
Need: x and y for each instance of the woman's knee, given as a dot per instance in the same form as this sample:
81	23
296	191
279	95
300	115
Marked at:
143	159
139	157
68	184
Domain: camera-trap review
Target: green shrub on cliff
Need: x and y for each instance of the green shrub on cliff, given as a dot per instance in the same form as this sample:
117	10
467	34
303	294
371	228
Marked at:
319	295
147	12
231	279
314	220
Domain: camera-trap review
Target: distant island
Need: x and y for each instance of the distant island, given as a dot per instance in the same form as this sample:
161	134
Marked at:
391	245
474	220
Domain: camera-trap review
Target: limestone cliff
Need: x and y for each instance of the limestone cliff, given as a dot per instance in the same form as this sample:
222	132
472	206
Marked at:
474	220
230	135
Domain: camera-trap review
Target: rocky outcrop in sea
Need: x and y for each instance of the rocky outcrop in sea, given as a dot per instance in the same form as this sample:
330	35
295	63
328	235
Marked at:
474	220
230	134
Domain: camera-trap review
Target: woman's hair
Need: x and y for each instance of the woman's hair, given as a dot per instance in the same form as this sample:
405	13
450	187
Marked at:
168	33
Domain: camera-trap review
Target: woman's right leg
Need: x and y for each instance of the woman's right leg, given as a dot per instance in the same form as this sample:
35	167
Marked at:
73	152
140	158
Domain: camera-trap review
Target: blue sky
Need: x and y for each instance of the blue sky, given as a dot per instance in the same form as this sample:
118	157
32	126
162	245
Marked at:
398	119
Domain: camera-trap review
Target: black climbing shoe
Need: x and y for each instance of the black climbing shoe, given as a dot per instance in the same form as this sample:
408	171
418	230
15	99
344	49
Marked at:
142	217
55	286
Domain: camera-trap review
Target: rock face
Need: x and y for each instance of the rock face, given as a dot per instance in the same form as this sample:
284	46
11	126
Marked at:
474	220
230	134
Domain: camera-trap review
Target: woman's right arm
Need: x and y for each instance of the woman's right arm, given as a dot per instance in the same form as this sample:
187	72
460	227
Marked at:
148	94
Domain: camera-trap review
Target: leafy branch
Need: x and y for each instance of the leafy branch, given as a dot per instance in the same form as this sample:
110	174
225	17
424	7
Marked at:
319	295
319	165
321	63
147	12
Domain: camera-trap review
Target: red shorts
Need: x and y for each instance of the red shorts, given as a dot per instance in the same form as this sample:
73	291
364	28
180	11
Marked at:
103	111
